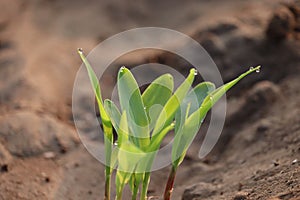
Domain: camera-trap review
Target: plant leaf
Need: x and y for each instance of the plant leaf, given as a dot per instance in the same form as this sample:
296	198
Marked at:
131	102
96	89
156	95
113	113
129	154
157	139
186	134
107	126
167	114
195	97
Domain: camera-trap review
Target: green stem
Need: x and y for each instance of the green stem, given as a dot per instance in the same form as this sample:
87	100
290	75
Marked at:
119	195
119	191
107	183
170	183
145	186
134	194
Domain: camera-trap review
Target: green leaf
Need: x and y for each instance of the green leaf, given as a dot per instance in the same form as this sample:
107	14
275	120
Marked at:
129	154
123	132
114	157
210	100
168	112
156	96
107	126
186	134
96	89
195	97
158	138
131	102
113	113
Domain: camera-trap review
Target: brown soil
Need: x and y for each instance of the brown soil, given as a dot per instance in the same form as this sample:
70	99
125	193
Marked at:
258	155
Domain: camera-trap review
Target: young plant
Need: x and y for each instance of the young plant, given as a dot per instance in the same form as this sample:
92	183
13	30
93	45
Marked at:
106	122
190	117
143	122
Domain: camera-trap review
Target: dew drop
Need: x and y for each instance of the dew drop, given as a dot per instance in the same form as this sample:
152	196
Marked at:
257	70
80	50
122	68
211	98
145	108
195	72
116	143
251	68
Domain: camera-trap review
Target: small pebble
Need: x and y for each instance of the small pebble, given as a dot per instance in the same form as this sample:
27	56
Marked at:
76	165
275	163
240	186
294	161
4	168
49	155
240	197
262	128
46	178
63	150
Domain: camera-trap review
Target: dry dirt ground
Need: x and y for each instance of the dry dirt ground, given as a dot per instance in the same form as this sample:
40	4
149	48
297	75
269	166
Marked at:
258	154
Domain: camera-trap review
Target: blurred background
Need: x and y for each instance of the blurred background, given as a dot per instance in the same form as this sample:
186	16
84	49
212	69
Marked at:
257	156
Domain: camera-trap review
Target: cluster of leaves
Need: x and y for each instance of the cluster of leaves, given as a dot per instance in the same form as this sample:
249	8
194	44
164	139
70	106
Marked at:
145	119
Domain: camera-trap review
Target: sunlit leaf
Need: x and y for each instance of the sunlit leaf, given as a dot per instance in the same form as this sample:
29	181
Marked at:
186	134
195	97
131	102
156	95
168	112
113	113
107	126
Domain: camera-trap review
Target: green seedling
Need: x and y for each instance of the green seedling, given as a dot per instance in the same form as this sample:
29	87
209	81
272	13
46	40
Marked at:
143	121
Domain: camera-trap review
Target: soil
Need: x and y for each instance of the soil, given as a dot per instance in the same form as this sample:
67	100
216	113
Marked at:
258	154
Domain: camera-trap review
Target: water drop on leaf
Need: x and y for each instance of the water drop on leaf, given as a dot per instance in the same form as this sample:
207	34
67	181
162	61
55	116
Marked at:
122	68
80	50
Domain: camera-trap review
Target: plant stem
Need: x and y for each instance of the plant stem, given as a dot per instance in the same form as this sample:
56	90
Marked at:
107	183
119	195
170	183
134	194
145	186
119	191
